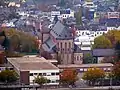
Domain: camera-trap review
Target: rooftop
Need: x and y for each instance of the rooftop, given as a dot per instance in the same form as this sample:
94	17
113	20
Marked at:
85	65
31	63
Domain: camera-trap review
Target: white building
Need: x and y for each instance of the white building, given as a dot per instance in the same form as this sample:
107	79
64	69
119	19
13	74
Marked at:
30	67
62	14
85	38
84	42
89	4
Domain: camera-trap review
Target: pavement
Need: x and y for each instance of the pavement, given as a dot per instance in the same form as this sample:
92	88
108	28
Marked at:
91	88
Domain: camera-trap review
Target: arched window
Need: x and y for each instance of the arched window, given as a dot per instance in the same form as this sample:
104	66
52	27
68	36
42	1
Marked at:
61	46
69	48
65	46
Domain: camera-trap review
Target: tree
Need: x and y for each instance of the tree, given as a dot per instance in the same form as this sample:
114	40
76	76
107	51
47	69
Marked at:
8	76
102	42
116	70
20	41
78	16
62	3
41	80
2	57
93	74
88	58
117	51
68	76
113	36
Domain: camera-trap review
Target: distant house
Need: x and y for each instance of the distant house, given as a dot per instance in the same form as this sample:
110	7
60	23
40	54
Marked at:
101	53
62	14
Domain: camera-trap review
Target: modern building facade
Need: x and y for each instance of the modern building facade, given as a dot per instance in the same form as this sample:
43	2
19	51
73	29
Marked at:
30	67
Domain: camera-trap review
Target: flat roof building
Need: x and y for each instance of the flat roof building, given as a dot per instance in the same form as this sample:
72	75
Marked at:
83	67
30	67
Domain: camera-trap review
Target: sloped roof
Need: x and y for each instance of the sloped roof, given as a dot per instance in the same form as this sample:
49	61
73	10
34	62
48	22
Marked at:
103	52
76	49
49	44
60	31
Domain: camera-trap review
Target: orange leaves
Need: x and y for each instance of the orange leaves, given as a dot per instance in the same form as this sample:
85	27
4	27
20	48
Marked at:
68	76
93	74
116	70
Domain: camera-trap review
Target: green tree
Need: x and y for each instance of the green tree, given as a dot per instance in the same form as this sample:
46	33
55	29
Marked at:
117	51
102	42
78	16
21	42
62	3
88	58
8	76
41	80
113	36
93	74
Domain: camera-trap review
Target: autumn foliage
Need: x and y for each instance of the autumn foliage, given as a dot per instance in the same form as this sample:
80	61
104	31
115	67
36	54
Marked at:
93	74
21	41
116	70
68	76
107	40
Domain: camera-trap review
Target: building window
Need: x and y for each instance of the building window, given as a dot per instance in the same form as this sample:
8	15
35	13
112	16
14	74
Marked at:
69	45
82	33
57	81
48	74
61	45
57	73
58	45
44	74
80	58
65	46
53	81
52	74
77	57
31	74
35	73
40	74
81	69
85	69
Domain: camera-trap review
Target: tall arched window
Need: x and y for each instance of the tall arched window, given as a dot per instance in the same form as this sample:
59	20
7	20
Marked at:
69	48
65	46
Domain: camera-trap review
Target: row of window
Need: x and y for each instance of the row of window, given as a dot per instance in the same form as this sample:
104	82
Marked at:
51	81
85	69
77	58
65	50
86	33
3	68
60	45
44	74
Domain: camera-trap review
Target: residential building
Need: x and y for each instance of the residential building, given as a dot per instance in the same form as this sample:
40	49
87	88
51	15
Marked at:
100	54
30	67
84	42
89	4
62	14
